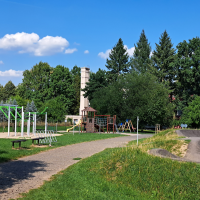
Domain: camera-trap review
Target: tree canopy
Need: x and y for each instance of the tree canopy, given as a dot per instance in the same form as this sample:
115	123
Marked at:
118	61
135	95
163	59
141	61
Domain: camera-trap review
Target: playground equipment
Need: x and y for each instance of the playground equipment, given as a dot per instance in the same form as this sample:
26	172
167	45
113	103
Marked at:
79	123
127	126
47	137
92	122
22	118
157	128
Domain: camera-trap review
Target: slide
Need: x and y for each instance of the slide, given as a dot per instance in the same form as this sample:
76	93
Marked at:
79	123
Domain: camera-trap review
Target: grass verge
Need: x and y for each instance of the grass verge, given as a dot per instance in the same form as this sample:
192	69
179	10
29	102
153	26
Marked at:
126	173
7	153
167	139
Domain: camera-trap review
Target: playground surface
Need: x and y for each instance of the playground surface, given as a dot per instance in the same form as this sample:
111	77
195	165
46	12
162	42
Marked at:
30	172
193	151
18	135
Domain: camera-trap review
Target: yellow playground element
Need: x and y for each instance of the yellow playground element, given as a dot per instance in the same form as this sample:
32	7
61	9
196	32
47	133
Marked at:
79	123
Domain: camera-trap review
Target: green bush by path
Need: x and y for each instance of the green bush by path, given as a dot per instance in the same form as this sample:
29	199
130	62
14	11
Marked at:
7	153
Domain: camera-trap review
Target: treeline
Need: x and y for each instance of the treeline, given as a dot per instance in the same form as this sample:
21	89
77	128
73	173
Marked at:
155	85
56	88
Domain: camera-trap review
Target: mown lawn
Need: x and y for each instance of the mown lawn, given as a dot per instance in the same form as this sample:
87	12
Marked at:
125	173
7	153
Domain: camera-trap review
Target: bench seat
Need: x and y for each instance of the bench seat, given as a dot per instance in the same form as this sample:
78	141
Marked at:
17	141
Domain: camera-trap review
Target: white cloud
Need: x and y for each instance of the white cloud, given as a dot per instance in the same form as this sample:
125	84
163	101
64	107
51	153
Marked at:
11	73
104	55
86	51
1	62
130	51
69	51
31	43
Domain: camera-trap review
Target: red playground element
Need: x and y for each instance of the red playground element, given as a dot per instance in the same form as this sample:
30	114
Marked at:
92	122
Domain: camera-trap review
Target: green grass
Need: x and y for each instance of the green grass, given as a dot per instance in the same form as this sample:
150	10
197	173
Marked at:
7	153
125	173
140	132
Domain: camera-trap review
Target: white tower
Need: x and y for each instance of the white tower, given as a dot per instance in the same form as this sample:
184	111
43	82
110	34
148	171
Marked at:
85	75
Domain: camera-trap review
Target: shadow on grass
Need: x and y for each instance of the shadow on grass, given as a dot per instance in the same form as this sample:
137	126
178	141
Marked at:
13	172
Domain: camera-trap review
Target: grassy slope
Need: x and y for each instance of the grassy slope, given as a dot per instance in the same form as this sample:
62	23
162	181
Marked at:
7	153
125	173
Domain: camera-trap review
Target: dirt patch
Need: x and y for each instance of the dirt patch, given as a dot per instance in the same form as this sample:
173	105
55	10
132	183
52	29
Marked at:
39	146
180	150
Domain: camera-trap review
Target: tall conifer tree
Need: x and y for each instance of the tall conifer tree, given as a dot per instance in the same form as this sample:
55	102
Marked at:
141	61
118	61
163	59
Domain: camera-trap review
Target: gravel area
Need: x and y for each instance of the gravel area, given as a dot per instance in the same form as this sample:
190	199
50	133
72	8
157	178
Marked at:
30	172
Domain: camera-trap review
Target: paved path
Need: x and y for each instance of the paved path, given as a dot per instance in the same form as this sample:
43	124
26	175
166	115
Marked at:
29	172
193	152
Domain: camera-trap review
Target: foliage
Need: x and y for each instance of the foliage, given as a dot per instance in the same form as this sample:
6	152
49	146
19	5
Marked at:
36	82
191	114
49	86
76	81
7	91
135	95
188	71
118	61
57	108
141	61
1	92
30	107
163	59
96	82
20	101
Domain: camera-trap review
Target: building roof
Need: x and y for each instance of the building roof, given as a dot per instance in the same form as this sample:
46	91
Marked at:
89	109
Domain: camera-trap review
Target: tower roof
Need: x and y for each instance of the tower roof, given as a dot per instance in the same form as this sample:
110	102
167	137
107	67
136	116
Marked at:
89	109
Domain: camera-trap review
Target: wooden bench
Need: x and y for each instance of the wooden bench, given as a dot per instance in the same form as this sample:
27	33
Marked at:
38	139
17	141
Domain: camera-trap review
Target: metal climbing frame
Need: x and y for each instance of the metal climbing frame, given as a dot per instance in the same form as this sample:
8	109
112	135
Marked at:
10	107
48	136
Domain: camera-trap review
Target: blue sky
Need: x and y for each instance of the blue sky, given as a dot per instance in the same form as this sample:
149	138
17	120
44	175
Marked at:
82	32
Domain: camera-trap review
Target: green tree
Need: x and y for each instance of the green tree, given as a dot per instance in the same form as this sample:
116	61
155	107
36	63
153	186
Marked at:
118	61
96	82
20	101
61	85
76	79
56	108
163	59
36	83
1	92
135	95
8	90
141	61
187	65
191	114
